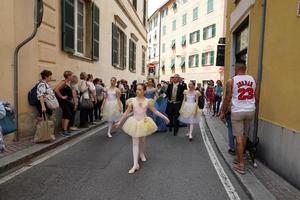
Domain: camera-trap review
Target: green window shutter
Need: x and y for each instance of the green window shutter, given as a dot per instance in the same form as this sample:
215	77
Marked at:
197	60
191	36
203	59
204	34
130	54
95	36
134	57
198	36
214	30
68	26
190	61
125	52
212	58
115	45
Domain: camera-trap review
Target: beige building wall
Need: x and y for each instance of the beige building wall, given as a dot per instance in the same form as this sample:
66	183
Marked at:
205	19
45	50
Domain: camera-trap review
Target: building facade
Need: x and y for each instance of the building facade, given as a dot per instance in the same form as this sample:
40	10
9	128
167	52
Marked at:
278	127
106	38
153	51
190	34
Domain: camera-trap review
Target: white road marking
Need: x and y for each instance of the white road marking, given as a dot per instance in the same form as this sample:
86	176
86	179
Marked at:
232	194
46	157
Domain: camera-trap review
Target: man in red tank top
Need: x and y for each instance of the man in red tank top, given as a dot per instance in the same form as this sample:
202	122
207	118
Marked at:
242	95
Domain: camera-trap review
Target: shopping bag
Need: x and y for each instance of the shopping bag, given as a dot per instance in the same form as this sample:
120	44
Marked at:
44	131
8	124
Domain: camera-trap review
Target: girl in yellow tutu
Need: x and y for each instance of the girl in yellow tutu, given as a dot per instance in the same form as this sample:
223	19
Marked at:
190	113
139	125
112	105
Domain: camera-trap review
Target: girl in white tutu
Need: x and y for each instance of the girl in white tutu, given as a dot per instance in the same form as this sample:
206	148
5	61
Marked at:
139	125
112	105
190	113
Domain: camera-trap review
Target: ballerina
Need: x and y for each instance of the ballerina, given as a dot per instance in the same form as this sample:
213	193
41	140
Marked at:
190	113
112	106
139	125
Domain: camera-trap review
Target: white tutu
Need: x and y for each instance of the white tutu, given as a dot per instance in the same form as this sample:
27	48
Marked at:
139	128
111	111
190	113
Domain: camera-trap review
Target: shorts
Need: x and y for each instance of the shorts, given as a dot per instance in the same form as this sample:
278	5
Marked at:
241	123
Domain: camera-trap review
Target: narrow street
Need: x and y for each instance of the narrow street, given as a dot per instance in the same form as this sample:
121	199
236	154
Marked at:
96	168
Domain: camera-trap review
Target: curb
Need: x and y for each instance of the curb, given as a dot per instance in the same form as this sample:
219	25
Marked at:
252	186
18	158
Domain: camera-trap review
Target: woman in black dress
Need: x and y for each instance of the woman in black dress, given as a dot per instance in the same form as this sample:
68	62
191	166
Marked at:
65	96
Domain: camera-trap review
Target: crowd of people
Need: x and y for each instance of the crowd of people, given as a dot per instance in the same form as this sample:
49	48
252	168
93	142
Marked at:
160	107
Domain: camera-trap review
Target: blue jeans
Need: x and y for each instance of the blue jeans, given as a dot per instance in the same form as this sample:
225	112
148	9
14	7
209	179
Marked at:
231	138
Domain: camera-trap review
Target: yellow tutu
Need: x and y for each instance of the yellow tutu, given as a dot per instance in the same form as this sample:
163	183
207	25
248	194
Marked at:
190	113
139	128
111	112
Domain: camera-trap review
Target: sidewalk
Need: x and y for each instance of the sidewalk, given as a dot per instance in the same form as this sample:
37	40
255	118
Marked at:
261	182
18	153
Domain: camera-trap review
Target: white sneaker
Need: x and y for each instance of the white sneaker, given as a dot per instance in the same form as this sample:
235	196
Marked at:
74	128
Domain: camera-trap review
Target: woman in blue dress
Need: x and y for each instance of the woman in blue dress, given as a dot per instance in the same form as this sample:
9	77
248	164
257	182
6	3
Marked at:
161	105
150	94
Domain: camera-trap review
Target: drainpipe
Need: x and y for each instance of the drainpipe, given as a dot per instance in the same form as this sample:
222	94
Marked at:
260	63
16	69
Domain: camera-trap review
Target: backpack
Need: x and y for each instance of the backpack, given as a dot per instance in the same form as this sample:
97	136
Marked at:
32	96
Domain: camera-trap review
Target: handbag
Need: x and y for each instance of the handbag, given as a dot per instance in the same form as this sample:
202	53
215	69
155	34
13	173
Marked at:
44	131
8	124
86	103
51	102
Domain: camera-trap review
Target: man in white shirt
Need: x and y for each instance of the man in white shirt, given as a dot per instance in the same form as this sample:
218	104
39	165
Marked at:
242	94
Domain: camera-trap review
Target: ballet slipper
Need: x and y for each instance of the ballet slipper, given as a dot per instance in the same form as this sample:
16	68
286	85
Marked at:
134	169
109	135
143	157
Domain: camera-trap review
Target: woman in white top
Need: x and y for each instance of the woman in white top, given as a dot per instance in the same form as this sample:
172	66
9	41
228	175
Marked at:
43	89
84	94
112	106
92	90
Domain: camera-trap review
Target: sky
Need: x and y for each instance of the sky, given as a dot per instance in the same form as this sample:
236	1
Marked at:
153	5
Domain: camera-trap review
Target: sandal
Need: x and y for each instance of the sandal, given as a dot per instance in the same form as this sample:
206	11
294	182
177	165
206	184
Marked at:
236	161
239	169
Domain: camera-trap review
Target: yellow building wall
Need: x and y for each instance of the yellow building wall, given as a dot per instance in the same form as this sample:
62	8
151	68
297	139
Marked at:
280	92
280	89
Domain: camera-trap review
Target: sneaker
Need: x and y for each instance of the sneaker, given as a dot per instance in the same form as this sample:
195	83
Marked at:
232	152
74	128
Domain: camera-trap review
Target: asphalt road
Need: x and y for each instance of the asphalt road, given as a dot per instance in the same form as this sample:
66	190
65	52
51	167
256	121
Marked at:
96	169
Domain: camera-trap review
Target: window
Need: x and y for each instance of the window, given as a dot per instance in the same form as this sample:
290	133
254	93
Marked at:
163	67
132	55
208	58
173	65
163	47
195	13
194	37
155	21
184	1
182	64
184	19
164	30
154	52
183	40
194	61
210	6
119	47
164	12
174	6
209	32
76	38
174	25
134	3
143	62
173	44
155	35
149	39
